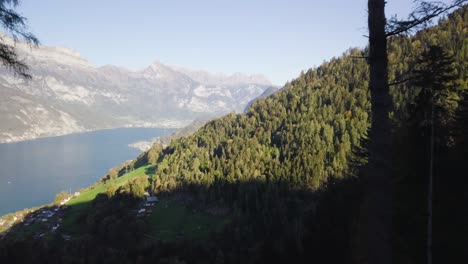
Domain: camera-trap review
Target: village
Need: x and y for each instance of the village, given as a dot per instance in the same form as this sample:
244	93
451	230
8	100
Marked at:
47	220
38	222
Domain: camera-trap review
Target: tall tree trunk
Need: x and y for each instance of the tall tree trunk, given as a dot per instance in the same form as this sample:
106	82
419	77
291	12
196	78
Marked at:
376	210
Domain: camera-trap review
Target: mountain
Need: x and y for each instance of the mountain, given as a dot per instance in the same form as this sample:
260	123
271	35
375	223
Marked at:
255	178
223	79
265	94
68	94
279	183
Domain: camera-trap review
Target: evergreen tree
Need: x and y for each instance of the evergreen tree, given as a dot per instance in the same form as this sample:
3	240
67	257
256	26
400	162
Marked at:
435	107
435	76
15	26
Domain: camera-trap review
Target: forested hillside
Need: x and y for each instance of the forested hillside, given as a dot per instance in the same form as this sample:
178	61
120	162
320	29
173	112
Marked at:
299	137
286	173
404	51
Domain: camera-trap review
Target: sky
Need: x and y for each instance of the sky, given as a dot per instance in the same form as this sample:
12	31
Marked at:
271	37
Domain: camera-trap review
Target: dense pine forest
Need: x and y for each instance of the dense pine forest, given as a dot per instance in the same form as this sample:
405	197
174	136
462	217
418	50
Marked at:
283	179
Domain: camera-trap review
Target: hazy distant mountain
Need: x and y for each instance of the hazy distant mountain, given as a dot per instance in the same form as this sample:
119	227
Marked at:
223	79
269	91
68	94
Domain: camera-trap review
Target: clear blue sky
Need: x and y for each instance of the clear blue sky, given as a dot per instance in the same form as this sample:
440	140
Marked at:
274	38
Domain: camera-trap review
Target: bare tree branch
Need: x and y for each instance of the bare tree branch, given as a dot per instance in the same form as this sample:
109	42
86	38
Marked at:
400	82
420	17
10	59
15	27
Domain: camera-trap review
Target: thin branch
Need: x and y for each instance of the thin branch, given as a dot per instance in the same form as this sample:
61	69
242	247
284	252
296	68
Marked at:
422	15
10	59
360	57
16	29
400	82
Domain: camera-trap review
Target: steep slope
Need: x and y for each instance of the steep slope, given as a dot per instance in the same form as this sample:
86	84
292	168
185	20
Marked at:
68	94
303	134
254	169
282	173
265	94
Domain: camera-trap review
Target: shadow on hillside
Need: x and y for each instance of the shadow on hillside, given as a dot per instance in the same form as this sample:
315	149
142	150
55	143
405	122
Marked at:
150	170
266	222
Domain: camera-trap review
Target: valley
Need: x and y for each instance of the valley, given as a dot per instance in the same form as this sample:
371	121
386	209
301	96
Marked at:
361	159
67	94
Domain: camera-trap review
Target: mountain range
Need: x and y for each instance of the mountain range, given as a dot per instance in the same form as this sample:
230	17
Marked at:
68	94
287	180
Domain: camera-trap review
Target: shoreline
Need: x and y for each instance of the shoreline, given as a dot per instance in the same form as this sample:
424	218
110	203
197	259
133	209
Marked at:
88	131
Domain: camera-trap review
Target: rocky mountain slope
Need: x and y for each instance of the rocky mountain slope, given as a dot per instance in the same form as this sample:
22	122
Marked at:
68	94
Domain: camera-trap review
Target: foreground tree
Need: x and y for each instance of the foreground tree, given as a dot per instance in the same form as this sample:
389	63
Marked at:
14	29
436	104
375	224
376	208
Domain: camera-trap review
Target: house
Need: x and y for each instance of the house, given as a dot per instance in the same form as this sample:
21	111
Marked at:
152	199
141	212
64	201
47	213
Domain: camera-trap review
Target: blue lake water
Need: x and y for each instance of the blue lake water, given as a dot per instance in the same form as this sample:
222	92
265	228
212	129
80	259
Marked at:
33	172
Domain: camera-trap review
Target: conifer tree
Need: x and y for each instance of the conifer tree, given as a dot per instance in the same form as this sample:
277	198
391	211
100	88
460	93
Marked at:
14	25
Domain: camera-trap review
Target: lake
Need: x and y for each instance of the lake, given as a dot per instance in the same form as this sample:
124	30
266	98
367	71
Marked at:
33	172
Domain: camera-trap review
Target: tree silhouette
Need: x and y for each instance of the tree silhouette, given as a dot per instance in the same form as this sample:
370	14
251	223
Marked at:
435	106
15	27
377	201
420	17
435	75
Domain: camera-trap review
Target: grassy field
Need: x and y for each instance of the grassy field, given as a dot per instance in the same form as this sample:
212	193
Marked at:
83	201
173	220
90	193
